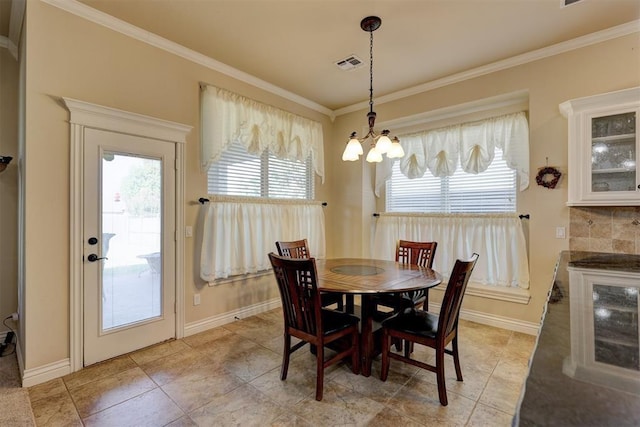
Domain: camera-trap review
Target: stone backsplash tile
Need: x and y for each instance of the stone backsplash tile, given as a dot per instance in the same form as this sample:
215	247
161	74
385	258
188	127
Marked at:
579	229
605	229
624	246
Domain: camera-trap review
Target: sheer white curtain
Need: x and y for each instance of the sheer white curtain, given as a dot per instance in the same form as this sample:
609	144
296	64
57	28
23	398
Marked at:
470	145
238	233
227	117
498	238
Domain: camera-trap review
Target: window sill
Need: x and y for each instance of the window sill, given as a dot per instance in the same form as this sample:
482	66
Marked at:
516	295
240	278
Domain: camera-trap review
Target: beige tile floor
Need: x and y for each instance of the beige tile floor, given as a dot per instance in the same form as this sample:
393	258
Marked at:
230	376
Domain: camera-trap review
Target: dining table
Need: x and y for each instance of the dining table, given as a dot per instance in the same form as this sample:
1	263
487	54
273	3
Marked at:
368	278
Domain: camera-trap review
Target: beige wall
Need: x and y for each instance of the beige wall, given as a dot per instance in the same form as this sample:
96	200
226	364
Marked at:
68	56
599	68
9	72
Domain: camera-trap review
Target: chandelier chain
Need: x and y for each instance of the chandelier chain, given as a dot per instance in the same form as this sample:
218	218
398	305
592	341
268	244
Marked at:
371	70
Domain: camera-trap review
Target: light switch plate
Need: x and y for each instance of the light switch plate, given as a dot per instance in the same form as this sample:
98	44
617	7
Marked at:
560	233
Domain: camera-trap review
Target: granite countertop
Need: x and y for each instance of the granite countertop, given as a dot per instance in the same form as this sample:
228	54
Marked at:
551	398
603	261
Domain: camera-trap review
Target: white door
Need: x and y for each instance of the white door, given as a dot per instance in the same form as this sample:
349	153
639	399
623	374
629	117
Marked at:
129	243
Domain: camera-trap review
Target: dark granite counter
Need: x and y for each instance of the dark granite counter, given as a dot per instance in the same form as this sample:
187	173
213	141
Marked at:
552	398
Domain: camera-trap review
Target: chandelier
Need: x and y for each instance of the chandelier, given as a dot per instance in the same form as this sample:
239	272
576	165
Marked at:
380	144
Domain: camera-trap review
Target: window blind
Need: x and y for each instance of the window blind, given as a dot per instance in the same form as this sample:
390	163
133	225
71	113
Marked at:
239	173
493	190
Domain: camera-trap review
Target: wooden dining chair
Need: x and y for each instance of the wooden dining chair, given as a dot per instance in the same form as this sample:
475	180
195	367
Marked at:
300	249
416	253
435	331
305	319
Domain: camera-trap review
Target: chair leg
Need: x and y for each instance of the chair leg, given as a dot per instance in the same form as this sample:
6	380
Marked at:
442	385
398	343
340	303
319	372
285	357
386	346
456	359
355	355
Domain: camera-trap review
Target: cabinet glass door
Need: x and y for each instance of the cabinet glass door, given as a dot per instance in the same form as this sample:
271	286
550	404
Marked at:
615	325
613	152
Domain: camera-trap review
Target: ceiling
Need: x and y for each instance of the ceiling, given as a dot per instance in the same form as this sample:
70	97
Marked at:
294	44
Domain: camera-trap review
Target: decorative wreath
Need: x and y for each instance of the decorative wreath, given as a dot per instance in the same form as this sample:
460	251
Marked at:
548	177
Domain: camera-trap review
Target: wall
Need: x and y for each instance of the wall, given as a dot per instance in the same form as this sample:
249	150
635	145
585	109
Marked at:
9	77
91	63
549	82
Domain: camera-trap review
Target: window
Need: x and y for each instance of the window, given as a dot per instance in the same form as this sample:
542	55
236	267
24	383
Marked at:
239	173
493	190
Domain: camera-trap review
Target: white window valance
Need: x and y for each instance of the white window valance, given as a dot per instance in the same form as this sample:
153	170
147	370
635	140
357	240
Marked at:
227	117
472	145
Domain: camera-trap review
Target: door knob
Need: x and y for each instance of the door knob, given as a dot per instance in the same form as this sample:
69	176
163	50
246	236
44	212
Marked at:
94	257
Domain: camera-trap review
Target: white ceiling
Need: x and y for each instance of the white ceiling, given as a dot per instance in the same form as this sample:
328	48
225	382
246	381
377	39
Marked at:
294	44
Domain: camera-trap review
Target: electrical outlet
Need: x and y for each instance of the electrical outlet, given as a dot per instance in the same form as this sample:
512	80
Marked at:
196	299
560	233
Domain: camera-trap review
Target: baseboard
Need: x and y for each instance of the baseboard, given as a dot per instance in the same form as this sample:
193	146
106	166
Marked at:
45	373
231	316
508	323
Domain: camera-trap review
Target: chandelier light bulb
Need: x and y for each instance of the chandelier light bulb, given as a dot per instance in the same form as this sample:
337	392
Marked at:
348	156
384	143
396	151
374	156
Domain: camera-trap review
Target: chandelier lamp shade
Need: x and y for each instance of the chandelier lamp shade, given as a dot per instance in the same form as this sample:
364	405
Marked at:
380	144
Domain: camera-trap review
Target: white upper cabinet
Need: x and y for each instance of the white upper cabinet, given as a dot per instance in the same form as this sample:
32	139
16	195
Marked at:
604	149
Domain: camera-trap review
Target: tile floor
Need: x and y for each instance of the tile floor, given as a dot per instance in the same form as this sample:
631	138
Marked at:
230	376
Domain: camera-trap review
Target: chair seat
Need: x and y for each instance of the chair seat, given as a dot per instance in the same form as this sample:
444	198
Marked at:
334	321
415	322
397	300
329	298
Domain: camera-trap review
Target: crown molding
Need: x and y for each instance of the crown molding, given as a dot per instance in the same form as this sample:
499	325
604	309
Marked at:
115	24
535	55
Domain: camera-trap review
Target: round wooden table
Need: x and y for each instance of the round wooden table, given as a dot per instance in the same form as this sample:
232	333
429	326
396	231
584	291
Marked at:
367	278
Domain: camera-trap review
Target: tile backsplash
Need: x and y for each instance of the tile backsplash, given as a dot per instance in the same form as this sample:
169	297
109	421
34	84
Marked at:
605	229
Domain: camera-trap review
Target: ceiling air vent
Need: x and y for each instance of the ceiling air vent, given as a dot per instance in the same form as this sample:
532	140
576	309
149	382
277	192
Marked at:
352	62
565	3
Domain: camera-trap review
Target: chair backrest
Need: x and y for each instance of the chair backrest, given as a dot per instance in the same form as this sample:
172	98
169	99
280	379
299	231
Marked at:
416	253
452	300
295	249
298	286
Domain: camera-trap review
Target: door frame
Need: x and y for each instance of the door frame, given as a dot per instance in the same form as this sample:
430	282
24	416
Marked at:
87	115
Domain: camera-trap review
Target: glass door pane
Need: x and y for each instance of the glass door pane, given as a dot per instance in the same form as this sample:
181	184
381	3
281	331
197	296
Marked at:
131	239
615	324
613	153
